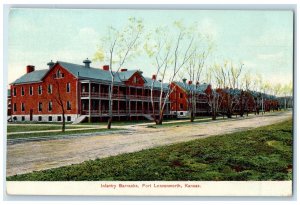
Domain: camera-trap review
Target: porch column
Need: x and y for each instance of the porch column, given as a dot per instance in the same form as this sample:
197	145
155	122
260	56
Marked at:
89	101
99	90
118	107
100	106
129	110
136	102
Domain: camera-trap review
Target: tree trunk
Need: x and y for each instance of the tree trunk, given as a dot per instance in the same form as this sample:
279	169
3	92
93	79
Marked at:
111	91
159	120
63	121
192	116
109	123
213	115
229	114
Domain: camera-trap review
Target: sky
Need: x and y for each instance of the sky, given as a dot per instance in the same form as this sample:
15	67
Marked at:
261	40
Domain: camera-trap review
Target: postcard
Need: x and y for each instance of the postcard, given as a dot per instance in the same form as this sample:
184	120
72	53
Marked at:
141	102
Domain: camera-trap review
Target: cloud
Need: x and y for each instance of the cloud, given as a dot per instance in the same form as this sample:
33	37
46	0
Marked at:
273	56
207	27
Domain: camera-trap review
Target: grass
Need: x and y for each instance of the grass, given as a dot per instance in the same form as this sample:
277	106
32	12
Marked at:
178	124
121	123
27	128
51	134
260	154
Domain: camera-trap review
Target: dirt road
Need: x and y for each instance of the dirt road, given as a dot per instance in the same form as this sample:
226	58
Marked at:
34	156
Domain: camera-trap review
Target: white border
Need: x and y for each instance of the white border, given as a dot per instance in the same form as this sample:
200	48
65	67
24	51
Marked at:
209	5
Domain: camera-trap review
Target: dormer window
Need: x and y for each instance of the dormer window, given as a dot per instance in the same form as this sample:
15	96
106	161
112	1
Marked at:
58	74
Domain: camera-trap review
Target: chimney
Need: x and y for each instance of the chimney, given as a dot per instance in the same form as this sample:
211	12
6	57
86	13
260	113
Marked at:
123	69
29	68
87	63
153	77
190	82
50	64
106	67
184	80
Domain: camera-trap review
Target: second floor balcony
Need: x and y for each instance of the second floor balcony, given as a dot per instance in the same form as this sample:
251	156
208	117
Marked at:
119	96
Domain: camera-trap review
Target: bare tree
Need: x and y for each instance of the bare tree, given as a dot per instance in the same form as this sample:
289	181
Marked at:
287	91
60	101
117	47
227	77
247	95
194	70
214	96
170	55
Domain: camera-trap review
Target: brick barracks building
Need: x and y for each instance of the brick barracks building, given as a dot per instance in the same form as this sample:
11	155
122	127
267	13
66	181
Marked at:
84	93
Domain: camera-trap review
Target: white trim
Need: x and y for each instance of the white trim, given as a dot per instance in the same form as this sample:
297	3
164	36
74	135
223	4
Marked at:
45	117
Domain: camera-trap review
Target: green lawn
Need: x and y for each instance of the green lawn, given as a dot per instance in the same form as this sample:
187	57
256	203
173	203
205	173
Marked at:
260	154
26	128
178	124
50	134
121	123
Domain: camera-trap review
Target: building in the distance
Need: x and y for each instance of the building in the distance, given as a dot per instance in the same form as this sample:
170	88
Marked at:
184	93
9	105
83	92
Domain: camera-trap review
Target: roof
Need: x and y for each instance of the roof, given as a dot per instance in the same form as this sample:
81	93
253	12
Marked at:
232	91
187	87
81	72
125	75
156	84
35	76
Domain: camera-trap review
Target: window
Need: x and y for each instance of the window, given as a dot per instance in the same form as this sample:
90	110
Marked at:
40	89
15	91
30	90
134	79
58	118
68	118
15	107
50	118
58	74
180	95
69	87
181	106
68	105
40	107
22	107
40	118
22	91
181	113
50	88
50	106
23	118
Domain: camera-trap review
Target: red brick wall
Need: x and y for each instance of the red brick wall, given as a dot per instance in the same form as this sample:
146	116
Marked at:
175	96
139	80
31	101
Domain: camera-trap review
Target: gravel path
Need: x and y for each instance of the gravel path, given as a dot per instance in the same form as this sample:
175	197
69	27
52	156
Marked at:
40	155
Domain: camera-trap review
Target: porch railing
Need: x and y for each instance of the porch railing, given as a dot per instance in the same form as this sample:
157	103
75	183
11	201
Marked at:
119	96
116	112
